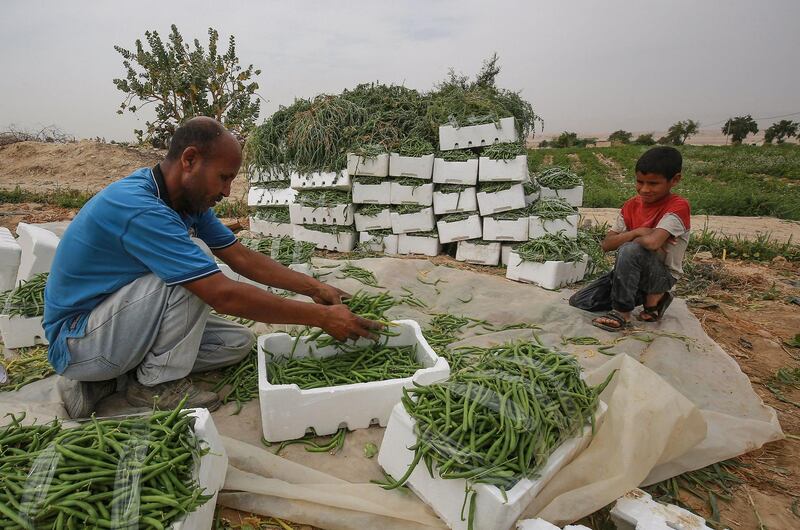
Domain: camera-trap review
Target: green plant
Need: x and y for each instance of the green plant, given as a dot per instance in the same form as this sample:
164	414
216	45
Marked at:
739	127
183	83
780	131
645	139
679	132
569	139
620	136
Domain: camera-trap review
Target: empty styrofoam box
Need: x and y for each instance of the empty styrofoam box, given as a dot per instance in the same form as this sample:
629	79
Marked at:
469	228
505	229
493	509
372	193
271	196
421	221
381	221
418	244
637	510
514	169
505	253
477	135
321	180
379	243
501	201
537	227
10	255
418	167
541	524
270	228
368	167
340	241
38	250
479	254
287	412
340	214
21	332
549	275
463	201
573	196
456	172
421	194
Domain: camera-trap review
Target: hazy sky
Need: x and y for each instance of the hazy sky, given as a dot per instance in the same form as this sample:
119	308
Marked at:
588	66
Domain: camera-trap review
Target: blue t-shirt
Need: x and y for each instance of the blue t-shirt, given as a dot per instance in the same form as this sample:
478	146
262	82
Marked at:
124	232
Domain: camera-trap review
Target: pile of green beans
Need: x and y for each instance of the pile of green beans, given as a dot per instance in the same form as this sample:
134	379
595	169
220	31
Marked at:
456	217
113	473
243	380
330	229
497	420
430	233
552	208
369	181
550	247
494	187
27	300
274	184
323	198
415	146
504	151
511	215
410	182
457	155
371	306
530	187
352	364
448	189
357	273
29	366
409	208
274	214
558	178
371	210
409	298
369	150
284	250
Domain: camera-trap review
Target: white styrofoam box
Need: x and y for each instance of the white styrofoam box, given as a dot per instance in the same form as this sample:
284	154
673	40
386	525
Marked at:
418	244
637	510
340	241
538	227
38	249
477	135
10	255
515	169
271	197
501	201
321	180
21	332
421	221
270	228
573	196
257	175
287	412
368	167
531	198
372	193
464	201
486	254
493	510
541	524
210	473
469	228
381	221
550	274
505	229
447	172
421	194
505	253
418	167
340	214
386	244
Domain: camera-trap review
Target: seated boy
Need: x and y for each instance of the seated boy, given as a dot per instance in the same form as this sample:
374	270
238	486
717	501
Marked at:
650	235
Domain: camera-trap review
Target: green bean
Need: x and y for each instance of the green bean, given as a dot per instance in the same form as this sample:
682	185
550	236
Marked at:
284	250
274	214
27	299
457	155
357	273
494	187
323	198
552	208
550	247
558	178
415	146
504	150
30	365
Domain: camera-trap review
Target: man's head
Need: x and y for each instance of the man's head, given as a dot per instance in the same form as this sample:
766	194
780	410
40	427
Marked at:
207	158
658	170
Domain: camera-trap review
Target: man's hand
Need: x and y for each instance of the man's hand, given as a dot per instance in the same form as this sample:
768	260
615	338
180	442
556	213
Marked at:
328	294
341	324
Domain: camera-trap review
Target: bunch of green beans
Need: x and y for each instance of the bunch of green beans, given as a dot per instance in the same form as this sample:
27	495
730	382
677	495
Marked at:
530	187
357	273
415	146
552	208
371	306
381	233
409	298
457	155
371	210
29	366
284	250
113	473
323	198
430	233
330	229
369	181
318	132
274	214
494	187
498	420
550	247
27	300
369	150
504	151
334	445
408	208
456	217
448	189
558	178
511	215
352	364
243	380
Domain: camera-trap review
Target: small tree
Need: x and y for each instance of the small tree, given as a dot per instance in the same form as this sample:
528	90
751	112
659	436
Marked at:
780	131
739	127
679	132
645	139
620	136
183	83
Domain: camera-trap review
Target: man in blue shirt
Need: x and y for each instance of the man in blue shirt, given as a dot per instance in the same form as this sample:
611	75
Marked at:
130	292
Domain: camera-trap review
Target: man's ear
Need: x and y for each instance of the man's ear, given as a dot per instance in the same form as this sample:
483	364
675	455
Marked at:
189	158
675	180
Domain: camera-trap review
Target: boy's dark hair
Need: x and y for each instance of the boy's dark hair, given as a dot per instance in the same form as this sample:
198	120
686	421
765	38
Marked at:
662	160
200	132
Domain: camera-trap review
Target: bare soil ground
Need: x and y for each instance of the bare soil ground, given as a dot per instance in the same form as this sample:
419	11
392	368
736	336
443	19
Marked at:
616	170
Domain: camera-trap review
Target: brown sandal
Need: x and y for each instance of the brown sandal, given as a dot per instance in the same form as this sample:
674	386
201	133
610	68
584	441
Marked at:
656	313
615	316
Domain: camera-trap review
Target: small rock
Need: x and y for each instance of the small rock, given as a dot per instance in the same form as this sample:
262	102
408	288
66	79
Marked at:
779	260
704	255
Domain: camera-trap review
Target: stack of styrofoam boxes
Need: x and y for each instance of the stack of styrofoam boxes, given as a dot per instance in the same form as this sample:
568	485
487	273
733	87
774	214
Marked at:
372	192
329	227
269	198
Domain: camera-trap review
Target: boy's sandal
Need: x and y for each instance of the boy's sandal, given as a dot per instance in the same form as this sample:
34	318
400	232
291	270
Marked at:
654	314
615	316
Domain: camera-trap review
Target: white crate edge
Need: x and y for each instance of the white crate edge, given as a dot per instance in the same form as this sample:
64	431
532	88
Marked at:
505	229
637	509
463	201
548	275
515	169
445	497
38	247
340	214
386	244
422	221
372	193
574	196
501	201
469	228
287	411
421	194
270	228
470	252
411	244
330	180
340	242
271	197
21	332
368	167
538	227
477	135
464	173
505	252
10	256
418	167
382	221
